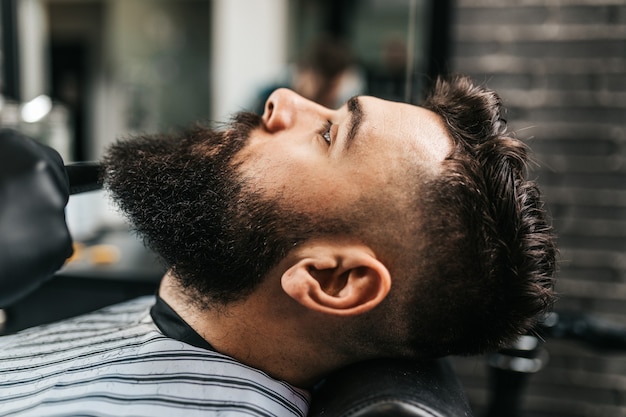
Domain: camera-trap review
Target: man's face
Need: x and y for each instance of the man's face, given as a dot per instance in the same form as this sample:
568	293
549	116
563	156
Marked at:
223	207
320	159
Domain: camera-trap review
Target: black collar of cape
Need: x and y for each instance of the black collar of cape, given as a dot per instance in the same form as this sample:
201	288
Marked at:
172	325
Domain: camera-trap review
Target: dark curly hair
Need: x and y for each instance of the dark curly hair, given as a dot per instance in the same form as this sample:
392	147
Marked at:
488	268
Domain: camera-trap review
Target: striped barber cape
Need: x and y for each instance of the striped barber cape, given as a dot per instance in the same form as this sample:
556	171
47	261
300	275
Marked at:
116	362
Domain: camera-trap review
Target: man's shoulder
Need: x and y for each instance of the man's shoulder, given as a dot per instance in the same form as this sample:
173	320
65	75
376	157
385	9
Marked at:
108	329
117	357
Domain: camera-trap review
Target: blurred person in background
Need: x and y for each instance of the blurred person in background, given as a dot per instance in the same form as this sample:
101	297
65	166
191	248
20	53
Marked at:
327	73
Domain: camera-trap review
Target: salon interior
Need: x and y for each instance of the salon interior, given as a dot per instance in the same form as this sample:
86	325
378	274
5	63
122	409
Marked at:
77	74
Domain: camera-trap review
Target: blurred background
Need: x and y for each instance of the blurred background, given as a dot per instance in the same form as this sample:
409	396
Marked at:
76	74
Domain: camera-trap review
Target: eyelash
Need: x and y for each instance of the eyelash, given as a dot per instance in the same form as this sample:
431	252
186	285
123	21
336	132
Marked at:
324	132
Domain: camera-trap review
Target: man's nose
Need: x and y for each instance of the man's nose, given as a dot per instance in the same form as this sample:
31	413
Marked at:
284	108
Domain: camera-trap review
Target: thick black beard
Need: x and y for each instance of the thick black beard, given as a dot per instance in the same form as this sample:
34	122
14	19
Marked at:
182	194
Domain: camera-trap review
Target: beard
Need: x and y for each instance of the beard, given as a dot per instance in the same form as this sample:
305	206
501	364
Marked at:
216	232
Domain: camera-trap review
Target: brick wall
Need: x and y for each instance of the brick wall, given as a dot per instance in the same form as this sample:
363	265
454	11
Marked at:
560	66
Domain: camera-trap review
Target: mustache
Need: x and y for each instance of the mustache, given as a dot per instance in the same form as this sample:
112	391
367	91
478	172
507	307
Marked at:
242	124
245	119
225	139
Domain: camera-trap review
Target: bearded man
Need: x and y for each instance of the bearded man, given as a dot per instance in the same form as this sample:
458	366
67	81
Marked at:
298	242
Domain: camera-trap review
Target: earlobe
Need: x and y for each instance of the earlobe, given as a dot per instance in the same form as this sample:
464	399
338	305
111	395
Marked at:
339	280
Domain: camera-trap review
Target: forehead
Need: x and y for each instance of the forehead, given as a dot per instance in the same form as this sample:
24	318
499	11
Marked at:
418	130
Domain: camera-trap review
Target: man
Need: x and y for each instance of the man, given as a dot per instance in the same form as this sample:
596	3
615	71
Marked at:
299	242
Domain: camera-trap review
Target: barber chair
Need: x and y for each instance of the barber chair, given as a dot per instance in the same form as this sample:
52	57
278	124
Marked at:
391	387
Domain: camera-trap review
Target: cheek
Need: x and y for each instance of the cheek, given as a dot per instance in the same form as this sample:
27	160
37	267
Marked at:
302	182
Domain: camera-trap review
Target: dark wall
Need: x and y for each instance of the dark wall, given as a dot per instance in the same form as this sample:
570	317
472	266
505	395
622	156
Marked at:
560	67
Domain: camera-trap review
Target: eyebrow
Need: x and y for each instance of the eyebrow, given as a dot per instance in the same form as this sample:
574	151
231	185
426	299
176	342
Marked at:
356	117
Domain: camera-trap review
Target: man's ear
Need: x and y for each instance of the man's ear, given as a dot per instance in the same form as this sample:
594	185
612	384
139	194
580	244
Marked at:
339	279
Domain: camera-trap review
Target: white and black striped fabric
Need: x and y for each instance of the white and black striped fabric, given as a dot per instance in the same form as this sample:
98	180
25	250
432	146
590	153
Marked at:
116	362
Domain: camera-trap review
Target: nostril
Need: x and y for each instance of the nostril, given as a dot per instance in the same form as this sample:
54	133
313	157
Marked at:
269	109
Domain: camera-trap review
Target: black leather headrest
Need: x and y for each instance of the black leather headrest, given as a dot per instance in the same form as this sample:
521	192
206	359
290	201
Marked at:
391	387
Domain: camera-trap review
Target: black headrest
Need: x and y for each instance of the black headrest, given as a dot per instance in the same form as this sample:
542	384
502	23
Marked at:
391	387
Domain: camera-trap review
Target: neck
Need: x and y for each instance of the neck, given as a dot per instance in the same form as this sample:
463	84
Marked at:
268	331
